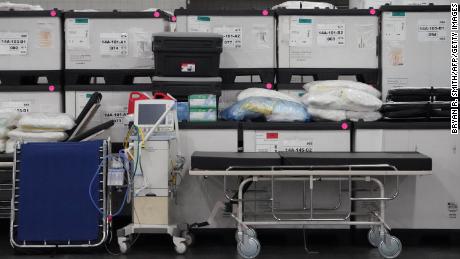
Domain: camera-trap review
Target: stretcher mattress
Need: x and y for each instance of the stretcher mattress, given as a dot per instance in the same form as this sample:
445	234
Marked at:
403	161
223	160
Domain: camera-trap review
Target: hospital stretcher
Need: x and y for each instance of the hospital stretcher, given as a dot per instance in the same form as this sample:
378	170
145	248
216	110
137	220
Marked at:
311	168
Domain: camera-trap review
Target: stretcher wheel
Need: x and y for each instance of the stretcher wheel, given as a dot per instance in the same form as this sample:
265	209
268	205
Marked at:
124	245
248	247
390	247
374	236
249	232
189	237
181	248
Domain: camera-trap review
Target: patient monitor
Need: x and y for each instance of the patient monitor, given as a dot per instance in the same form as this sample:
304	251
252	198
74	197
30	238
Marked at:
148	112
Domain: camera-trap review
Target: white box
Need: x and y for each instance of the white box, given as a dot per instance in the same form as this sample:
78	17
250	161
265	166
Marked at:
30	40
25	99
112	40
327	39
249	41
415	47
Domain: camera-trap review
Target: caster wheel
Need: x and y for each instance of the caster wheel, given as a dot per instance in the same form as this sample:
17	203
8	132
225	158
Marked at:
181	248
374	236
124	245
248	232
248	247
390	247
189	237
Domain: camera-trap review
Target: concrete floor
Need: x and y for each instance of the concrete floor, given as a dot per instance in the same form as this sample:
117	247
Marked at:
334	244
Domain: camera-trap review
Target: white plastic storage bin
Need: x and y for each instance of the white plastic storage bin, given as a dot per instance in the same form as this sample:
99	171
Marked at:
327	43
424	202
32	98
30	46
114	45
415	48
298	137
364	4
204	196
249	45
114	106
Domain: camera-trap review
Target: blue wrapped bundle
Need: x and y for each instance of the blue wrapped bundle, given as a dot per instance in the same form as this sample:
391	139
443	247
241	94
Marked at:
271	109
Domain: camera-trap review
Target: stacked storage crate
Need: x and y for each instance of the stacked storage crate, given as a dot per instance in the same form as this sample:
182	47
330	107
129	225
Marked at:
249	46
110	52
31	60
323	44
249	41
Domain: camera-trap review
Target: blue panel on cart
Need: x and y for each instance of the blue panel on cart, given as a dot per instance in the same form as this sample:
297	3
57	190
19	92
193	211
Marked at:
54	202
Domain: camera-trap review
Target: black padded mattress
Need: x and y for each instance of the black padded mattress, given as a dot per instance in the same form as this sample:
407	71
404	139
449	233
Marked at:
223	160
403	161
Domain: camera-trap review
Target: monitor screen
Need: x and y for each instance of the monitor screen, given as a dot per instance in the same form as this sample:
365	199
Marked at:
148	114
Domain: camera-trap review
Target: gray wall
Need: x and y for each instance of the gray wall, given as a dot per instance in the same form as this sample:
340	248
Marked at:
131	5
163	4
245	4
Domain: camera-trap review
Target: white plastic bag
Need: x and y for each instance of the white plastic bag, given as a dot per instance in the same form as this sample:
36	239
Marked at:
46	121
303	5
260	92
327	85
343	99
9	146
3	132
340	115
2	145
365	116
6	6
37	136
9	117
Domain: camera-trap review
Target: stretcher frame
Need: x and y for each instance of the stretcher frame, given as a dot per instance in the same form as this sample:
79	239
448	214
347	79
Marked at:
105	205
248	245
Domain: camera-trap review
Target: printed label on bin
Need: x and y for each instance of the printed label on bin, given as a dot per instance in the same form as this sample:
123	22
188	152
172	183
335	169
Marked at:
367	36
298	56
330	35
14	43
232	36
187	67
269	141
199	24
262	37
117	113
394	29
20	106
114	44
45	35
300	32
77	34
432	30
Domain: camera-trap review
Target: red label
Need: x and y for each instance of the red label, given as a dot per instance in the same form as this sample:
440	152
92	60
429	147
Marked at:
272	135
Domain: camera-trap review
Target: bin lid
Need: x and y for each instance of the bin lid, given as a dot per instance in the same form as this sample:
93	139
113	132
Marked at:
188	35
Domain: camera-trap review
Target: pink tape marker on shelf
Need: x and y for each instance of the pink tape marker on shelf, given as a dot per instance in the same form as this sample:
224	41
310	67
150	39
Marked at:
174	18
51	88
53	13
264	12
344	125
156	14
269	85
372	11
